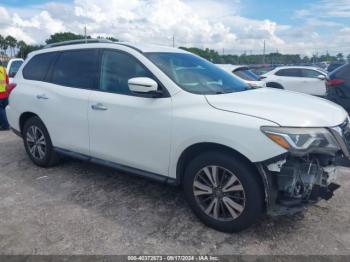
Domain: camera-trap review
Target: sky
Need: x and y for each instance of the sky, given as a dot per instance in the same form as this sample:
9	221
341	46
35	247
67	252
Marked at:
228	26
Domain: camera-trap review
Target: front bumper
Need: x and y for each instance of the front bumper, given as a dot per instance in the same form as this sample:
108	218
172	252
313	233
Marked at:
293	182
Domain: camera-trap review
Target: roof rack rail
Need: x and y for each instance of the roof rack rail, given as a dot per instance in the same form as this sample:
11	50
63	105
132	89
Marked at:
79	41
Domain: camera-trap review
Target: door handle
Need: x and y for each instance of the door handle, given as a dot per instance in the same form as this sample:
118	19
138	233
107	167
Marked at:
42	97
99	106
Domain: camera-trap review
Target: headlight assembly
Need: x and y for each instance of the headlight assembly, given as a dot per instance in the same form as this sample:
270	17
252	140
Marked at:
301	141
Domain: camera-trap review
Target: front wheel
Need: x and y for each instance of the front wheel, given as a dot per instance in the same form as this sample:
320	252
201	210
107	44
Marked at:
223	191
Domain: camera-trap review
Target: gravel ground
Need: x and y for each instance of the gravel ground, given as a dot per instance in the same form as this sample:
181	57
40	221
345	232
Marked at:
80	208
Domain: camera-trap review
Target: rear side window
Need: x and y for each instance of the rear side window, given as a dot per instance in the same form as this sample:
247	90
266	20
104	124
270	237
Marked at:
77	68
38	66
289	72
310	73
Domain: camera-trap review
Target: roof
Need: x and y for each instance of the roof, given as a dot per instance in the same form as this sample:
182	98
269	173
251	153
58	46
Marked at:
97	43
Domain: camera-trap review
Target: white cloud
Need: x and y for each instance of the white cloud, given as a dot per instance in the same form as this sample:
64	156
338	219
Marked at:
201	23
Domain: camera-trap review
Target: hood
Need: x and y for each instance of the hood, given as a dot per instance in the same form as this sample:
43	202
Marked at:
285	108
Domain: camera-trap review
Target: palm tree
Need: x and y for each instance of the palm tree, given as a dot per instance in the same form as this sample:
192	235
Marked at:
21	45
11	42
2	41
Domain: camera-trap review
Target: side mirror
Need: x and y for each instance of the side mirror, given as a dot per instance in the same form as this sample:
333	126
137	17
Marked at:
321	77
143	85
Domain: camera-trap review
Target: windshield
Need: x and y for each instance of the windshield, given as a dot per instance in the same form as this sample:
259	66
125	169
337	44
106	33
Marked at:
195	74
246	74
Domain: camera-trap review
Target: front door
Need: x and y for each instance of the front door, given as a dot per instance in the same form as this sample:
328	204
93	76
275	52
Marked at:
126	128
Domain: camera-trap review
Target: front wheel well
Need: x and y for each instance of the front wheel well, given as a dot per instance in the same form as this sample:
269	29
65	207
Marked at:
23	119
196	149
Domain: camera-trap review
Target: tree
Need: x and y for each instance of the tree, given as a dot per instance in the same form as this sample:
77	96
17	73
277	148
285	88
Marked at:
340	57
21	45
11	42
348	57
66	36
2	43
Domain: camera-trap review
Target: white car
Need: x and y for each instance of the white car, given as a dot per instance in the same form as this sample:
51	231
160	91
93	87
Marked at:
12	67
171	116
244	74
304	79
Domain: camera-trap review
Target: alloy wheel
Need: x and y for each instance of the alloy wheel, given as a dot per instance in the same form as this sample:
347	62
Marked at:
219	193
36	142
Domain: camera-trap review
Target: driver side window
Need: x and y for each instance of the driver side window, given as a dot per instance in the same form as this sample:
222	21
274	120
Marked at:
116	69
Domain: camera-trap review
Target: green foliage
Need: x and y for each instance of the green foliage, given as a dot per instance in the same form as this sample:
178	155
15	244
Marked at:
66	36
272	58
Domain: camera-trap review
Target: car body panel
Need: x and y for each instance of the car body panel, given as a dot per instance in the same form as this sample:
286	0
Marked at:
285	108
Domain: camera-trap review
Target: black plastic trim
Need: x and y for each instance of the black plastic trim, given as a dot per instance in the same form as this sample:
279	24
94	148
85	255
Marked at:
119	167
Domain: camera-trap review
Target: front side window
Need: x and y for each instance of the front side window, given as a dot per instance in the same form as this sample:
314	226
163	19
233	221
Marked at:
196	75
289	72
37	68
117	68
76	68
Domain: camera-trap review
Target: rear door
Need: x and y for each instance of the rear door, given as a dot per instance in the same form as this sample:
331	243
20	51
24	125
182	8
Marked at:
63	102
312	84
126	128
290	79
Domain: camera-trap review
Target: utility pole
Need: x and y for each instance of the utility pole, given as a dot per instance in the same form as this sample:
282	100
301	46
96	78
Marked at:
85	35
264	52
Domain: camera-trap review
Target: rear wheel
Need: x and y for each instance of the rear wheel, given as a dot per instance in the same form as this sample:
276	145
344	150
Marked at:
223	192
37	143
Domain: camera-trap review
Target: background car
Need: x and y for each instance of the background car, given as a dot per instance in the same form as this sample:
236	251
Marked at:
13	66
245	74
304	79
334	65
338	86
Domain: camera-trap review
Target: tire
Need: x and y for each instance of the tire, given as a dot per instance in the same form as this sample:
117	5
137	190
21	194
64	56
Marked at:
246	191
274	85
37	143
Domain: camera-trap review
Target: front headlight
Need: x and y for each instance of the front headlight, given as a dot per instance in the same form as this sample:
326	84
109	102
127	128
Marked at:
301	141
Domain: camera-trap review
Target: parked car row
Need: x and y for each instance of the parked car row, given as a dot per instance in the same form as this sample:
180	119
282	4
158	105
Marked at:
166	114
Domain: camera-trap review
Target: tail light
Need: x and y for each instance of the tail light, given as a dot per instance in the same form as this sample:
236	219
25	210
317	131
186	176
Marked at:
10	87
334	82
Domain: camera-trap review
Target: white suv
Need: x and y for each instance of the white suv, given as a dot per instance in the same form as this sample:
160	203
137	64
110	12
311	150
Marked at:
304	79
176	118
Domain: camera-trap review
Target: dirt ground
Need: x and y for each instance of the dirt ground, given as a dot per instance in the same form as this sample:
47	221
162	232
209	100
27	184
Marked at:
80	208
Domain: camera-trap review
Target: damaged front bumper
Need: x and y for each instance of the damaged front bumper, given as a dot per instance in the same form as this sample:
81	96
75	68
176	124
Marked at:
293	182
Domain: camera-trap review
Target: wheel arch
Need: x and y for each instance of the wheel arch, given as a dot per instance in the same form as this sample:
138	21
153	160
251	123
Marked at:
274	85
195	149
24	117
